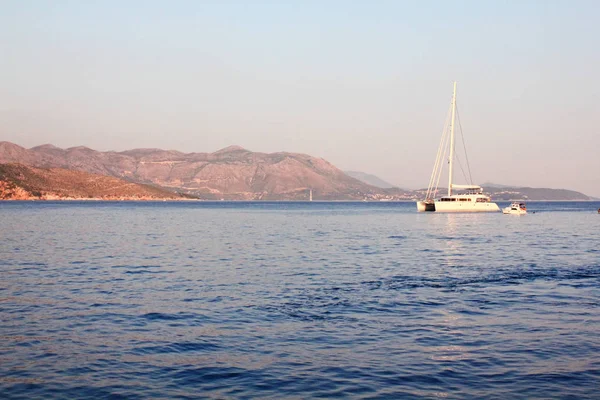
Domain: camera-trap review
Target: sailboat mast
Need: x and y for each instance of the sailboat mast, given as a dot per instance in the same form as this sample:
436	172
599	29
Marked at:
451	160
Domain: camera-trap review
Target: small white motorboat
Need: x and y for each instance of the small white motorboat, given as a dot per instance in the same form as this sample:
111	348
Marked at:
516	207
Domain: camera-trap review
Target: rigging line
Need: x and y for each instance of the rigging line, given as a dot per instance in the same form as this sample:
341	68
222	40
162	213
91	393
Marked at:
437	166
437	184
443	149
461	168
440	166
442	154
464	147
443	157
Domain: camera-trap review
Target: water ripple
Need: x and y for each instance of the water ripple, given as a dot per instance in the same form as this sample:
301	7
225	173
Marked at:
296	300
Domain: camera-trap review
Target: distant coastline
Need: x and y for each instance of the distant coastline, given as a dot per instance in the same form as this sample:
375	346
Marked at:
232	173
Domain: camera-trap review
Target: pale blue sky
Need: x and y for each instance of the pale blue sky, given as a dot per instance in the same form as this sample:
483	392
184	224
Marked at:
365	85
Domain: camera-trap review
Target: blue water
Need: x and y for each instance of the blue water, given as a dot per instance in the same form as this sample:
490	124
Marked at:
298	300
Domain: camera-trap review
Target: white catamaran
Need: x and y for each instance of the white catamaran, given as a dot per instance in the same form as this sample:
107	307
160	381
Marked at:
471	199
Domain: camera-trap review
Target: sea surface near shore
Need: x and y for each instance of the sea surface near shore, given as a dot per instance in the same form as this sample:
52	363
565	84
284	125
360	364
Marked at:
297	300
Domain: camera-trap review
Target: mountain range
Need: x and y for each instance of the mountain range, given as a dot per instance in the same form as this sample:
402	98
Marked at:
370	179
234	173
21	182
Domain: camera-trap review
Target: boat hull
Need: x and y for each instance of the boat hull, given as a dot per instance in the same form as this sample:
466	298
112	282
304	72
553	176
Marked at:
457	206
425	206
514	212
460	206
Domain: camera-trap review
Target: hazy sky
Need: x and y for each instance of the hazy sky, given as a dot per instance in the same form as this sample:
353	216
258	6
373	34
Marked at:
365	85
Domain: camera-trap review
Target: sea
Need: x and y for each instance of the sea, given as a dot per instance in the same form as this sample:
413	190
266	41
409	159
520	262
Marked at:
296	300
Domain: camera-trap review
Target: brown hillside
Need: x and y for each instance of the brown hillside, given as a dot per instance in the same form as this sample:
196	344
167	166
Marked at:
20	182
230	173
